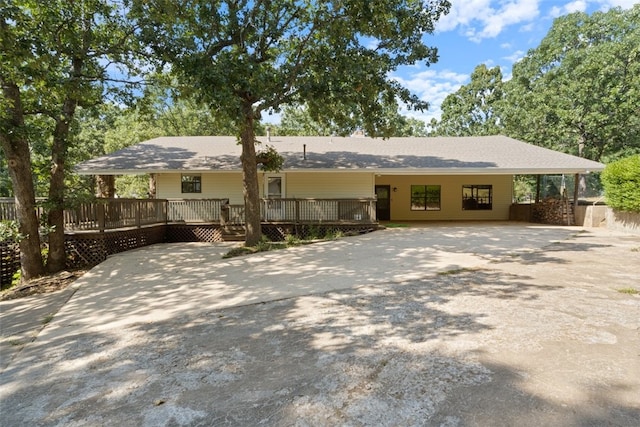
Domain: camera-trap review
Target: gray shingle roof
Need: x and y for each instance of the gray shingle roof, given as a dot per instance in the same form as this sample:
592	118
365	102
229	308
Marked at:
440	155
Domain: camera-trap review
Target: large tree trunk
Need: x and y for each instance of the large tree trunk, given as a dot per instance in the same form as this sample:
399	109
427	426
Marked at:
250	178
57	255
55	219
106	186
152	186
16	147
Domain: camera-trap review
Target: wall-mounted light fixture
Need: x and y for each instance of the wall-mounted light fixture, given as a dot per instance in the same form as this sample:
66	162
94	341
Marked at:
395	189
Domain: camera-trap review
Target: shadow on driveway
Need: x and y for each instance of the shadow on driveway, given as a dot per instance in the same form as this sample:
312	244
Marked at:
446	325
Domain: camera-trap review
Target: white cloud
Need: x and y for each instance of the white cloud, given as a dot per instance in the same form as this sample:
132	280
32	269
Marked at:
515	56
431	86
574	6
511	13
555	11
625	4
527	28
583	5
482	19
462	15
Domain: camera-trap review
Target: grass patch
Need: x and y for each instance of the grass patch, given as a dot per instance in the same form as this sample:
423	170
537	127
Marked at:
395	225
260	247
635	249
265	245
629	291
455	271
46	319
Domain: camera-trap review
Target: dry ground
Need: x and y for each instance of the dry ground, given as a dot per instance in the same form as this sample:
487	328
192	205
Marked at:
42	285
545	336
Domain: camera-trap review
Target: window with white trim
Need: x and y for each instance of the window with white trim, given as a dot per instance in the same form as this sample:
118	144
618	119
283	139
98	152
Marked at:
191	183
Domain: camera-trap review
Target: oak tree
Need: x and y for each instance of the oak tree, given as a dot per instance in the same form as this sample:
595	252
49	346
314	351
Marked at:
578	91
296	120
473	110
248	57
56	57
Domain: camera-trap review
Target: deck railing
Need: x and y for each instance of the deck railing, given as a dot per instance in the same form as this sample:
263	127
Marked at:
194	210
318	210
112	214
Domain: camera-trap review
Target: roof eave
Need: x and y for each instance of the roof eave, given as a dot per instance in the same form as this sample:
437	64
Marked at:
121	171
380	171
487	171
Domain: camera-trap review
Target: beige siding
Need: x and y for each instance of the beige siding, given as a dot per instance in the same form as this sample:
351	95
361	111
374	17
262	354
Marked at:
301	185
332	185
329	185
227	185
451	197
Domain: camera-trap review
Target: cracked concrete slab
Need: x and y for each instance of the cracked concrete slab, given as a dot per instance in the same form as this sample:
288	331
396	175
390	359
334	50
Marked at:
448	324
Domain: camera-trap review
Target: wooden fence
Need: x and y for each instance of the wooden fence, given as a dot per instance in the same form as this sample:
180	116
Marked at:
115	214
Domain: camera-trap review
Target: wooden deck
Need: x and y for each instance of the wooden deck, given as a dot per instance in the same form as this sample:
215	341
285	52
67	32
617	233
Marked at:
93	231
117	214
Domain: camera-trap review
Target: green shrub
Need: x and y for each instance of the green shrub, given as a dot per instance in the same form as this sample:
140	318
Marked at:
621	181
292	240
9	231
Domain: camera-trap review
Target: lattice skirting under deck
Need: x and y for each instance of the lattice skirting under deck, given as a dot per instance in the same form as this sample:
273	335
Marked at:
90	249
9	262
176	233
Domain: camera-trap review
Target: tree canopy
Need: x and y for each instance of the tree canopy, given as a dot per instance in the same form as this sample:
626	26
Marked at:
474	108
578	91
246	57
56	57
296	120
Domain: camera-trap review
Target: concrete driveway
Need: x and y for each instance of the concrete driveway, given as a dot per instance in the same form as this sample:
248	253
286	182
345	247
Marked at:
448	324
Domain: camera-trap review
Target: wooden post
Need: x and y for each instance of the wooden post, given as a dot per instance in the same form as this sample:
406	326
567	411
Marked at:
101	217
537	188
165	203
138	208
297	210
372	210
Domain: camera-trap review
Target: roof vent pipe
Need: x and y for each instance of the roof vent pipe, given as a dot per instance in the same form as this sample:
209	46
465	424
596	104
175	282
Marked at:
304	151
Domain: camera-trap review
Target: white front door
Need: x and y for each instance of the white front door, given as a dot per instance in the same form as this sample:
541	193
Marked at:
274	190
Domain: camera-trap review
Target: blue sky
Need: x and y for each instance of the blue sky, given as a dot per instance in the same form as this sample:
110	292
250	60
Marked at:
493	32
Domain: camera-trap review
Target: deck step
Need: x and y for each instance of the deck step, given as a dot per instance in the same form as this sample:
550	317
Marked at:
233	233
234	237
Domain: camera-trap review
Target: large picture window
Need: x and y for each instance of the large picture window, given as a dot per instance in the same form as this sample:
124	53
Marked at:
425	197
191	184
477	197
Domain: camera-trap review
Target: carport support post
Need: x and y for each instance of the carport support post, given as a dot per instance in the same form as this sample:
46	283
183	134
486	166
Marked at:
576	184
538	177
